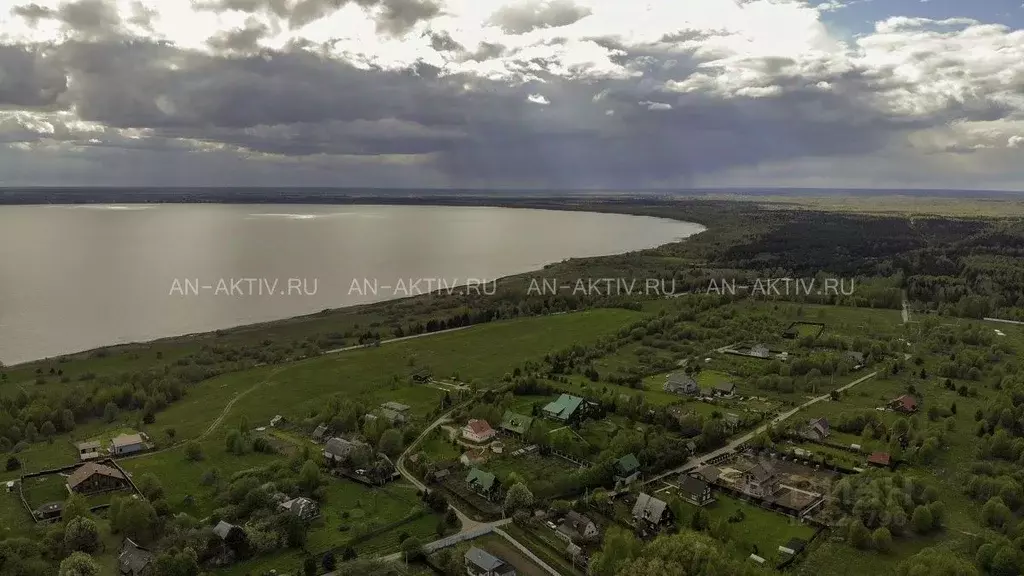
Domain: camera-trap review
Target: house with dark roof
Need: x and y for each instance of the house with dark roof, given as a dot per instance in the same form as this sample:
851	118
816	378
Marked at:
566	408
759	351
707	473
93	478
515	424
857	358
482	483
576	527
49	511
905	403
340	450
134	560
761	481
650	514
681	383
627	469
793	546
817	429
724	389
695	491
481	563
319	433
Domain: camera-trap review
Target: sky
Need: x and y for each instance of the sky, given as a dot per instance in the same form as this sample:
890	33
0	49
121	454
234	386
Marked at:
550	94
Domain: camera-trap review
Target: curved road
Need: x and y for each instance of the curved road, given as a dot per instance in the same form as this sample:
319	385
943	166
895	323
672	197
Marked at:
736	443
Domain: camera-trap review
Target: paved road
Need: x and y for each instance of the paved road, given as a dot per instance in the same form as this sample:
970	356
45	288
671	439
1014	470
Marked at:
399	339
736	443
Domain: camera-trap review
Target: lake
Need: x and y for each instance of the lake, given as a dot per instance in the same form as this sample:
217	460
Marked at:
79	277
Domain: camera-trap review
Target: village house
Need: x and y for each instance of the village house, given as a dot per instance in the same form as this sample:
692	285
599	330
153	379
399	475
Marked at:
340	450
879	459
905	403
566	409
134	560
707	473
650	514
88	450
576	527
126	444
396	406
394	417
93	478
480	563
759	351
857	358
695	491
319	433
473	457
49	511
817	429
231	538
724	389
681	383
761	481
482	483
302	507
515	424
478	431
627	469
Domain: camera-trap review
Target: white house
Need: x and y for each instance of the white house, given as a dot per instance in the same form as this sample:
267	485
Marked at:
478	431
126	444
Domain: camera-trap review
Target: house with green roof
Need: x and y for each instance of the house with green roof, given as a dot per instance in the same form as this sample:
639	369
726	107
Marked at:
515	424
566	409
627	469
483	483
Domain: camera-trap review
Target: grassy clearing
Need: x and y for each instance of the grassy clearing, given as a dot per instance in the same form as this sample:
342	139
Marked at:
501	548
44	489
182	478
760	532
16	520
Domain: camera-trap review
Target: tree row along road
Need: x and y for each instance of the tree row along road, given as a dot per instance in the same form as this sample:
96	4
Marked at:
736	443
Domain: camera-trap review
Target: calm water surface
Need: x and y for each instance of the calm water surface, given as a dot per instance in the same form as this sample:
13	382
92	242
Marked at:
79	277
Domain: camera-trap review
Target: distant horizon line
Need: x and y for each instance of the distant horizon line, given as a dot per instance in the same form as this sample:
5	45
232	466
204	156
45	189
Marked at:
265	188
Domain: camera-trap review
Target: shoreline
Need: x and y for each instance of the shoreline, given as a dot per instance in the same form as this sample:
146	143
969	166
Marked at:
523	204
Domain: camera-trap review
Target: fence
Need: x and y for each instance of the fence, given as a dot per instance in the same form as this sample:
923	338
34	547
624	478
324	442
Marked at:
71	467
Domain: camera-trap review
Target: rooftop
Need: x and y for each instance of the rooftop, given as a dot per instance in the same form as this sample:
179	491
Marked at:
564	407
483	560
127	440
86	471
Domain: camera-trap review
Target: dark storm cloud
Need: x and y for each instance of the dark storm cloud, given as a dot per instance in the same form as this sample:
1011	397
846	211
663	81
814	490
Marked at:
523	18
33	13
593	131
244	39
392	16
92	17
29	78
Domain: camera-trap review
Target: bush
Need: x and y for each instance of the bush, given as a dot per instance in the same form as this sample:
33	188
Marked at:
882	539
13	464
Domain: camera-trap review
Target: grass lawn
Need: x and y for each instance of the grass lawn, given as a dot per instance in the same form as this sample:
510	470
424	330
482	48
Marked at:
759	528
43	489
358	509
16	520
531	467
181	477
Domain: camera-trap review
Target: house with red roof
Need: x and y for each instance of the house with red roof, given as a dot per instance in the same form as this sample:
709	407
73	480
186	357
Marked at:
478	431
906	404
879	459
